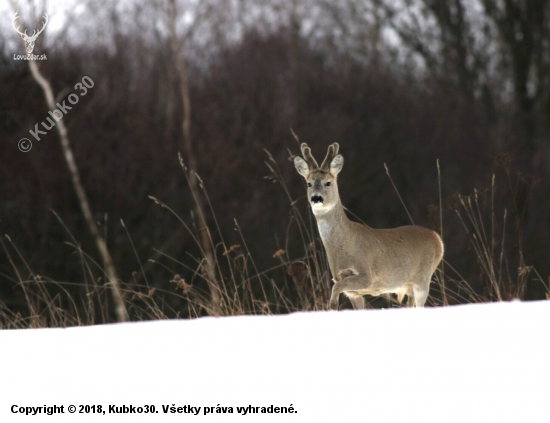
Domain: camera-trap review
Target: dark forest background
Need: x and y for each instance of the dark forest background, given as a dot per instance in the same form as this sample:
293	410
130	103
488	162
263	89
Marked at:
398	83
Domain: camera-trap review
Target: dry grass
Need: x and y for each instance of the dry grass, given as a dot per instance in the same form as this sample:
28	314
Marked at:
497	235
295	284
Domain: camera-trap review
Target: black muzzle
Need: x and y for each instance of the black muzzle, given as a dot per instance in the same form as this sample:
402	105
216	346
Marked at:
317	199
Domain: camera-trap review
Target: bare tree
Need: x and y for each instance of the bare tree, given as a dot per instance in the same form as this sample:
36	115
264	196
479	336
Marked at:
524	29
178	43
360	25
110	271
502	43
442	34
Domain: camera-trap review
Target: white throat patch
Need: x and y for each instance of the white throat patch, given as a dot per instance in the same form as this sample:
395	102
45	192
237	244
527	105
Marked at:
320	209
324	229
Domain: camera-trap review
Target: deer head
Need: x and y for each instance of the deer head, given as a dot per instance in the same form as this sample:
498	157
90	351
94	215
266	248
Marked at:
29	40
322	190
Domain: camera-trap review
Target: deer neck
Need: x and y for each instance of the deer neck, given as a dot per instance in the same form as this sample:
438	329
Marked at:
332	222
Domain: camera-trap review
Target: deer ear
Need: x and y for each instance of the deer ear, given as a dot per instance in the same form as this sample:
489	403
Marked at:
336	164
301	166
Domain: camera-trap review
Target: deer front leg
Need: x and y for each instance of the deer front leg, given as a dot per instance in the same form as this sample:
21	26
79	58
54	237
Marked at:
350	280
333	303
357	301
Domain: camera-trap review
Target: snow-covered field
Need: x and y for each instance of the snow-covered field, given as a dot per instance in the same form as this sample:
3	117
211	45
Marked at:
476	363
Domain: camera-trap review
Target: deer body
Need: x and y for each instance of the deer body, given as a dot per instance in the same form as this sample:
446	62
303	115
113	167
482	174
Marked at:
363	260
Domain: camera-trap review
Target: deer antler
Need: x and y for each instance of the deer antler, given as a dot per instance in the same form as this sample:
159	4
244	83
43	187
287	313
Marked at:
308	157
36	34
16	16
331	153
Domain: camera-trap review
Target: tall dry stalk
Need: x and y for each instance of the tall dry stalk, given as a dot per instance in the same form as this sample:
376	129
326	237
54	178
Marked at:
473	213
442	274
206	246
110	271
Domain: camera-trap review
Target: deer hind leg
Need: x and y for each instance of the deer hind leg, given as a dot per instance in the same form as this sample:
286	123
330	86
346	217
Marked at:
411	300
405	290
421	294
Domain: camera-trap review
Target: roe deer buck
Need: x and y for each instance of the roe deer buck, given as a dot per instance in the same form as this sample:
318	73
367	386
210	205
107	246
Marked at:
364	260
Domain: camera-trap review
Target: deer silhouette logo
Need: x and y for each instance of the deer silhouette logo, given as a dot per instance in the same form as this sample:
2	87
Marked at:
29	39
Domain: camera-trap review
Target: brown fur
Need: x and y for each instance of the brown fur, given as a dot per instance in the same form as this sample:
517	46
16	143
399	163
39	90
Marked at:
363	260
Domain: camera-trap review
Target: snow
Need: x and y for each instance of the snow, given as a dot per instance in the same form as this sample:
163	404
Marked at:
474	363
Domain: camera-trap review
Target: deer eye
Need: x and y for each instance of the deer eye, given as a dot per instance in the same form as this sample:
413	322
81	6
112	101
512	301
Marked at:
327	184
309	184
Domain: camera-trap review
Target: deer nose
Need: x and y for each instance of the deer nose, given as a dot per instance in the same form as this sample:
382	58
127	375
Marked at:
317	199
